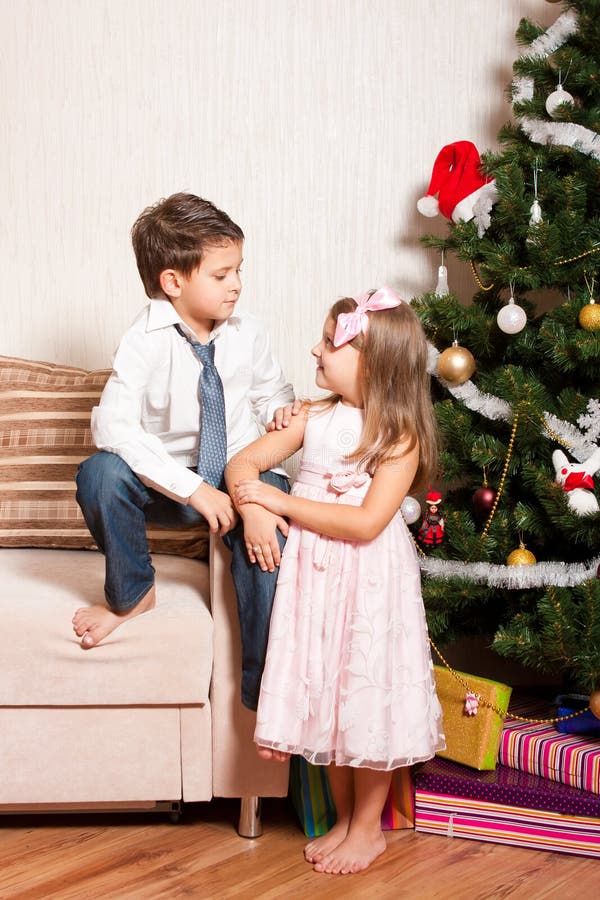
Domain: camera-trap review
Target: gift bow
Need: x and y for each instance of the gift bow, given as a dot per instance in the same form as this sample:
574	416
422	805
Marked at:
471	703
578	480
343	481
350	324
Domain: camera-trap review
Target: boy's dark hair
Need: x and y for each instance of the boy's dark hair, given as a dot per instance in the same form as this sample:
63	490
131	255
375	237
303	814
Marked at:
174	233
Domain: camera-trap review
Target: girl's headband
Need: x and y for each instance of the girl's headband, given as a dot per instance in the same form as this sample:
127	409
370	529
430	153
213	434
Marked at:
350	324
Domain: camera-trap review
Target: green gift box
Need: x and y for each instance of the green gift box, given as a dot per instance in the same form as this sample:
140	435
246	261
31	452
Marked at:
473	740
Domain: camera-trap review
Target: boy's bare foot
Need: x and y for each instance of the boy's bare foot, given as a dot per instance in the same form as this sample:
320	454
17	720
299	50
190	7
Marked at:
354	854
93	623
321	847
271	753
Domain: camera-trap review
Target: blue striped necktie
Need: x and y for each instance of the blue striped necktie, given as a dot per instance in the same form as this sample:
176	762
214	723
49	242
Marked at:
212	449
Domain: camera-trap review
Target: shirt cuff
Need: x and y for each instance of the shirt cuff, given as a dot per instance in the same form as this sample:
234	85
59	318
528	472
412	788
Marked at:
180	487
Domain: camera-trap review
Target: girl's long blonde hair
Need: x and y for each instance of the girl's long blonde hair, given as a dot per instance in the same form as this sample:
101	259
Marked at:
396	390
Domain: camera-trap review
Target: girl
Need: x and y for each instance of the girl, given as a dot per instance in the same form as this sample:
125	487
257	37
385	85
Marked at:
348	681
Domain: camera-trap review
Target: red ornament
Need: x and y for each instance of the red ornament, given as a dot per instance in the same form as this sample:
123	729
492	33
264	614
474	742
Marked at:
483	500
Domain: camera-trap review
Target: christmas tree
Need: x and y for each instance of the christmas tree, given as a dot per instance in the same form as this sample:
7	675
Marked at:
517	371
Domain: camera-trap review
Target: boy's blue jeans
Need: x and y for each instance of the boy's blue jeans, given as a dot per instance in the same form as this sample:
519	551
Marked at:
116	507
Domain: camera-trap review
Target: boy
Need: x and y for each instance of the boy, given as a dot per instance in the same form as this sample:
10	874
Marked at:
152	465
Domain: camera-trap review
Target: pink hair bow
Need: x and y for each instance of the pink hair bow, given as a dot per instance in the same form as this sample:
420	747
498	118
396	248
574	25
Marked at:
350	324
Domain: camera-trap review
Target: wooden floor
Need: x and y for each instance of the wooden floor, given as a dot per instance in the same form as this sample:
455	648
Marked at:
77	857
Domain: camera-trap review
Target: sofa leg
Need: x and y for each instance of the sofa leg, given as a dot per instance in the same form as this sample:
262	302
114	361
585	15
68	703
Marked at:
250	824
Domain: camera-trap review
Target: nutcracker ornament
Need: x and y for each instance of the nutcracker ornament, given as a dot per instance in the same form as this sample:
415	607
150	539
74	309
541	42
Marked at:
431	532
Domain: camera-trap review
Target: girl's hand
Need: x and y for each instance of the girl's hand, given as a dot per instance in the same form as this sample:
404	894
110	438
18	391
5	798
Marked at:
264	494
260	536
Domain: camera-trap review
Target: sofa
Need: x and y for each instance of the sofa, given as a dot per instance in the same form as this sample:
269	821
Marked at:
149	719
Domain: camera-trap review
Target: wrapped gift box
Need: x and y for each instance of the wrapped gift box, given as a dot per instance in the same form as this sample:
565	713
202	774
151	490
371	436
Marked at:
471	739
312	800
539	748
506	807
585	723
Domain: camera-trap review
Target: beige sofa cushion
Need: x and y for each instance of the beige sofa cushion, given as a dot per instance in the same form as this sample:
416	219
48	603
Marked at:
160	657
44	435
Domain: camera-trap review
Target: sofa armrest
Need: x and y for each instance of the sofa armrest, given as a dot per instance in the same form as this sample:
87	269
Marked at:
238	771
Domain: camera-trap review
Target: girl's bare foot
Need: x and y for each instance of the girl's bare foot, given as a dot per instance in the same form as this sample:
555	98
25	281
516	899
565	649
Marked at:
271	753
93	623
321	847
355	853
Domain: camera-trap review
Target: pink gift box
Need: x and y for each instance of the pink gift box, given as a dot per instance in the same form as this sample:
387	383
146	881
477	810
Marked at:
481	820
541	749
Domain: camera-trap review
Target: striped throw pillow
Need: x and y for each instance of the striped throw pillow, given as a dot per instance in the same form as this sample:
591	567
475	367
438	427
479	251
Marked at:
44	435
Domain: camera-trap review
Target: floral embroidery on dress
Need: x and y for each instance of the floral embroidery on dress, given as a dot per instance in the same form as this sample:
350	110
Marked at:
349	677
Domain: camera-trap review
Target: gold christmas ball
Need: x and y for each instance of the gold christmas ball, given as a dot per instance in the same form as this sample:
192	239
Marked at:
589	317
456	364
595	703
521	557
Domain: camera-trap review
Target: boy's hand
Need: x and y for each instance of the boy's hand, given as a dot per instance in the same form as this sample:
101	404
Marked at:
260	535
216	507
281	416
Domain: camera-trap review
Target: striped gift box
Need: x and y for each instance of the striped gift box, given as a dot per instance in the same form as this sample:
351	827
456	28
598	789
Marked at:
481	820
541	749
312	800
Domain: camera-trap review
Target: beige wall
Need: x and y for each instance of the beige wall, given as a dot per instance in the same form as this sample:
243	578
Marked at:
314	123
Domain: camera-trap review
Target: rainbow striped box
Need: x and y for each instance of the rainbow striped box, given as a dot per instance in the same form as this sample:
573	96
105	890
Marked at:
313	802
541	749
506	807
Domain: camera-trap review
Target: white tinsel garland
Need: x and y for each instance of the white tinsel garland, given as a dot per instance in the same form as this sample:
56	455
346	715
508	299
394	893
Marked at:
590	421
554	37
558	133
564	134
545	574
579	445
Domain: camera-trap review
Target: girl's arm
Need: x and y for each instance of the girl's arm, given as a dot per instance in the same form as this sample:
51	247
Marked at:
267	452
260	524
389	487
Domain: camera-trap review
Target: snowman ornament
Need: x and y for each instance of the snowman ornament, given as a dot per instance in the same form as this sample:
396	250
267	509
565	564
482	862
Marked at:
577	482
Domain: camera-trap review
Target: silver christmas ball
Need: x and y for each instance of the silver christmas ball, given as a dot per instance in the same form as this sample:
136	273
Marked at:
556	98
511	318
410	509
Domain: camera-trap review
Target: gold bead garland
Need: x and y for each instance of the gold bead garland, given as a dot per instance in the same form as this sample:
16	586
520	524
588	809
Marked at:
478	279
511	444
559	262
496	709
552	434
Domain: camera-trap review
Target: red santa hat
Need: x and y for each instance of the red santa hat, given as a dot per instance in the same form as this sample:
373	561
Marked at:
433	498
457	180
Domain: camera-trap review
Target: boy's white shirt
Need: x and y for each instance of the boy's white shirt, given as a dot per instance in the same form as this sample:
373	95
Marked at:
149	410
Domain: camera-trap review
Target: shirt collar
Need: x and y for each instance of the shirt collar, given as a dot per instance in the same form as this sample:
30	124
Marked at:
162	314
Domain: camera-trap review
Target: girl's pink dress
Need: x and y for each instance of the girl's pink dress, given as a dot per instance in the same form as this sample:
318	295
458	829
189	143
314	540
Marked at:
348	676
